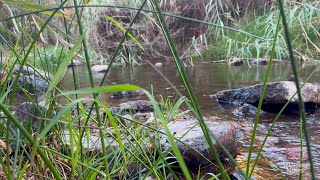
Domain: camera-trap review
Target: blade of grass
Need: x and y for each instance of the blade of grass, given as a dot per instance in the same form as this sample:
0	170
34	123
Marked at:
116	23
115	54
170	136
187	85
63	66
32	44
261	100
16	122
295	73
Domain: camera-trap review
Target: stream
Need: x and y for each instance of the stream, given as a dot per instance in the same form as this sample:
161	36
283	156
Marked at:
279	155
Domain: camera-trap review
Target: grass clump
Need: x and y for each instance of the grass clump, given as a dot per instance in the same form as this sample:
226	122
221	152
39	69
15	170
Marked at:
303	20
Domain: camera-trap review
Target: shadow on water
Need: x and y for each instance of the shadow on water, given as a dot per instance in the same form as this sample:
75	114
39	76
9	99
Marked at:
209	78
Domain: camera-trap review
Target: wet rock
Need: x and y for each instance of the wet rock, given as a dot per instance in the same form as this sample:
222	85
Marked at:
235	62
127	94
247	110
99	68
276	93
75	63
191	140
158	65
136	106
31	80
259	61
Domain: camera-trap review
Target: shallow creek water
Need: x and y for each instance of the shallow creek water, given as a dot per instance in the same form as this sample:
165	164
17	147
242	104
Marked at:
278	157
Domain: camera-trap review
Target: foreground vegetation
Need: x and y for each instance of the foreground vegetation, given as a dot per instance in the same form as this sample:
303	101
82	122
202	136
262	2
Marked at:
36	35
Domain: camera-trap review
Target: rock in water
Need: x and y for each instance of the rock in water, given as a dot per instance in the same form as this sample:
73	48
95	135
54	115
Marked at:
136	106
99	68
191	140
276	93
158	65
246	110
235	62
259	61
31	80
127	94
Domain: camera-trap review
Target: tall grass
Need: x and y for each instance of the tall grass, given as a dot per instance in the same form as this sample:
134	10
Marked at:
129	149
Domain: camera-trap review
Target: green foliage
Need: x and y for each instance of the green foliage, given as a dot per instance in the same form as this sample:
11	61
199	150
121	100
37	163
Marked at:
303	20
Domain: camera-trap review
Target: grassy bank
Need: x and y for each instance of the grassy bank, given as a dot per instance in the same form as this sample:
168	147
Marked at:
303	21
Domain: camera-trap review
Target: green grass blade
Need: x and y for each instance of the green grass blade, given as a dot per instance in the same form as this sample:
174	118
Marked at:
263	91
16	122
124	30
187	85
64	65
116	129
170	136
301	103
58	117
109	89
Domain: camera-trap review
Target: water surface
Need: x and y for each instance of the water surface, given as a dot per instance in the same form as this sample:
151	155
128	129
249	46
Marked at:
209	78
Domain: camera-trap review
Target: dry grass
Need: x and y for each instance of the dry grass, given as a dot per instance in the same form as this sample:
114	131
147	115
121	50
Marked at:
190	37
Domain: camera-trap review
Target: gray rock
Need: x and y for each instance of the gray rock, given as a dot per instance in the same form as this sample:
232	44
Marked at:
259	61
32	80
236	62
247	110
192	140
276	93
127	94
158	65
99	68
136	106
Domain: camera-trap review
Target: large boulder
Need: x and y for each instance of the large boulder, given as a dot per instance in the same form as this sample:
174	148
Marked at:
192	144
276	93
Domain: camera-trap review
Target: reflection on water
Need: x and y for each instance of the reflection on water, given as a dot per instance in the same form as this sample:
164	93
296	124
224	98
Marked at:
209	78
